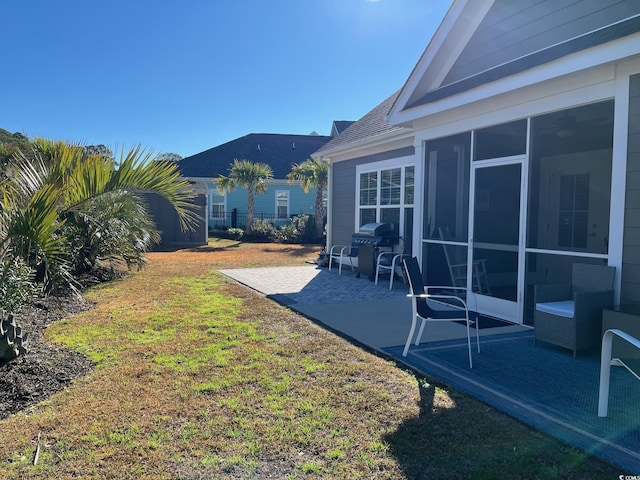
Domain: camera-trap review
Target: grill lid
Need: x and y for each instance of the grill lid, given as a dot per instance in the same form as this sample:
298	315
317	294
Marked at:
376	229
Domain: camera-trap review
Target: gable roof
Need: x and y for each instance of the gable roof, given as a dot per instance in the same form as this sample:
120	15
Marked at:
372	124
481	42
279	151
340	126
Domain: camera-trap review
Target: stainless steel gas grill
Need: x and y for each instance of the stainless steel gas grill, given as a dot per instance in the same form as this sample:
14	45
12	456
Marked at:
369	239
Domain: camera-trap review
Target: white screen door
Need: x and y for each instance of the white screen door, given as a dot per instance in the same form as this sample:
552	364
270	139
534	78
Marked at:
496	246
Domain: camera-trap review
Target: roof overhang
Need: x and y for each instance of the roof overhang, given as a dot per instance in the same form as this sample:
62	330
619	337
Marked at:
583	60
391	140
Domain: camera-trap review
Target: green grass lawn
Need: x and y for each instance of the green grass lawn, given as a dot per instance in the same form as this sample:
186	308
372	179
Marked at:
198	377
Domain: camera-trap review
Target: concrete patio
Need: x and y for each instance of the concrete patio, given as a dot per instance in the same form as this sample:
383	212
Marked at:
540	385
371	314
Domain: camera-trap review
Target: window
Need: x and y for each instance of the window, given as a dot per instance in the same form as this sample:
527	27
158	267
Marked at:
368	197
282	203
574	211
409	183
390	187
369	188
216	203
384	195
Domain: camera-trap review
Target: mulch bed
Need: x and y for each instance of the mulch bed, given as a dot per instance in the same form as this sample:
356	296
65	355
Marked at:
45	369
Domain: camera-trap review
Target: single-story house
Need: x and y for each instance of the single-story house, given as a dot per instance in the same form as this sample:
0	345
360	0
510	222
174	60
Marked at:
514	145
281	201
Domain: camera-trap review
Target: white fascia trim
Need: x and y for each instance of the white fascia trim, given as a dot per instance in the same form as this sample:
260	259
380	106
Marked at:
355	149
579	61
554	95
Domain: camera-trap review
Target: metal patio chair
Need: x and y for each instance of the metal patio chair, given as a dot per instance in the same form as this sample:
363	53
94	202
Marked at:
392	262
437	306
607	361
339	252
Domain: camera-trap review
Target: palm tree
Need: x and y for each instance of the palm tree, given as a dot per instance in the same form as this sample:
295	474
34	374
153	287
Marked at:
64	207
312	173
44	199
252	176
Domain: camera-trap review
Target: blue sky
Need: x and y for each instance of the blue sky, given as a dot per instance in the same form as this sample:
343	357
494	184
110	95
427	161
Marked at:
184	76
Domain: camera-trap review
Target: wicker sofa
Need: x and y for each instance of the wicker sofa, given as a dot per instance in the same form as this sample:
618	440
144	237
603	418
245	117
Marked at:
570	316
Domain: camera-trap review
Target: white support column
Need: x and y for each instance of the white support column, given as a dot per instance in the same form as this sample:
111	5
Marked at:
418	198
619	175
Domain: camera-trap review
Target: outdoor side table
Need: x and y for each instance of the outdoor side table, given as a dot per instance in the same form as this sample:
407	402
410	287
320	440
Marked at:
625	317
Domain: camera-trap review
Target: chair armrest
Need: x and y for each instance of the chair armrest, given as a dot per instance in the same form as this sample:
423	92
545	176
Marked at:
551	293
465	295
445	287
439	299
392	255
448	300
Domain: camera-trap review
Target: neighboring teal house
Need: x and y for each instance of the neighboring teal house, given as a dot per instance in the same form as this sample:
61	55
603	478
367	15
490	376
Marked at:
281	201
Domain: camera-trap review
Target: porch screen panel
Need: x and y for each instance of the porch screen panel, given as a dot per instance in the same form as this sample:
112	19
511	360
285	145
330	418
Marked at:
447	188
505	140
446	208
570	180
569	194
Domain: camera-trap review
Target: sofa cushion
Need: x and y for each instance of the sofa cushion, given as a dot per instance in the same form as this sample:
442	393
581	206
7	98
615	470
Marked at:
564	308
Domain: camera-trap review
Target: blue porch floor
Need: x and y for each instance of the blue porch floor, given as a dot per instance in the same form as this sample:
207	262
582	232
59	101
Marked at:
544	387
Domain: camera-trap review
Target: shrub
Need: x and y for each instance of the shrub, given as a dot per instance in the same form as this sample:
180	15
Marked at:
16	284
235	233
300	230
262	231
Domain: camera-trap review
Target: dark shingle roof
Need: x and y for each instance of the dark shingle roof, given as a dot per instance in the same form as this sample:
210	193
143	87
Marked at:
279	151
340	126
372	124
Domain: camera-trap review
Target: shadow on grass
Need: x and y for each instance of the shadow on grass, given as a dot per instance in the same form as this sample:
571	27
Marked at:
299	249
455	436
201	248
